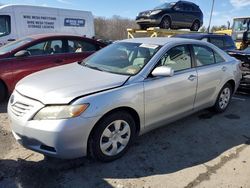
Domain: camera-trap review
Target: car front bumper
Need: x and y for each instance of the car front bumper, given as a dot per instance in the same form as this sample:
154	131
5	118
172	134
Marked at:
65	138
148	21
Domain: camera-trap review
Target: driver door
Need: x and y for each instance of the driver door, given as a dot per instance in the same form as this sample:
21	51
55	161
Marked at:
170	97
43	55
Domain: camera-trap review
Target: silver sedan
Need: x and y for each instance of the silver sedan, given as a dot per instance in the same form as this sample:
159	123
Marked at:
100	105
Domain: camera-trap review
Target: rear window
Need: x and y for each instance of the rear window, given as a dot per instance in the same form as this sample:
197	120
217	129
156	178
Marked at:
229	42
218	58
217	41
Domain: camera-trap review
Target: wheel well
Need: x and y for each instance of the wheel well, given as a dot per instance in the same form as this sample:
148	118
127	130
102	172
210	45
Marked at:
167	16
196	20
5	87
131	111
232	83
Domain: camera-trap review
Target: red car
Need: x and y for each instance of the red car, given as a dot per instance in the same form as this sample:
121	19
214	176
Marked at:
34	53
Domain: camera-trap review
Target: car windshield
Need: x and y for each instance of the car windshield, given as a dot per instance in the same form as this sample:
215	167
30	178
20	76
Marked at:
13	45
241	24
4	25
165	5
122	58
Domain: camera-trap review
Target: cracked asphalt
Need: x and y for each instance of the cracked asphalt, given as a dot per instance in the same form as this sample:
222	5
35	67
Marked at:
202	150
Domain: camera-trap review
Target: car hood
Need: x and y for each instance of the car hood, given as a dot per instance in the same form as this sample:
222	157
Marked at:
238	52
60	85
147	12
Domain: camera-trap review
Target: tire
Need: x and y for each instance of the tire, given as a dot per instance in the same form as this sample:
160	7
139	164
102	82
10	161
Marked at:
3	92
195	26
109	142
165	23
223	98
143	27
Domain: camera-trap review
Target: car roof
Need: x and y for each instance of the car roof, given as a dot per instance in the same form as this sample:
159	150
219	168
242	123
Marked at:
161	41
187	2
199	35
49	35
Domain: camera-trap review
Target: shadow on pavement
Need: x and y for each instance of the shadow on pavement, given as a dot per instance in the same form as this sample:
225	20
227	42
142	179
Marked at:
3	106
186	143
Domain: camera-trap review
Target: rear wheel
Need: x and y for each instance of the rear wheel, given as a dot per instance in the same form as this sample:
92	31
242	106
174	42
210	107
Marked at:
165	23
3	92
112	136
223	98
195	26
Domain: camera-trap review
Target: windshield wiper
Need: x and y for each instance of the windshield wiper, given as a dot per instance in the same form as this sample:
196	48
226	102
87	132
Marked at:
93	67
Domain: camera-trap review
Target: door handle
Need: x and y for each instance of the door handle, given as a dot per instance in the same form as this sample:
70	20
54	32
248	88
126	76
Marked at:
11	40
192	77
224	68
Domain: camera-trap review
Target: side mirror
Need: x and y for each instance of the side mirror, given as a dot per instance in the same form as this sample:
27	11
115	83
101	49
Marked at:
163	71
22	53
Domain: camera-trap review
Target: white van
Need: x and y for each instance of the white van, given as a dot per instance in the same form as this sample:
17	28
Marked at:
17	21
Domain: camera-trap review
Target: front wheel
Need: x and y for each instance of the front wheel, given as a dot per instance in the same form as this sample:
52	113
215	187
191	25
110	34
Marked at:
223	98
112	136
165	23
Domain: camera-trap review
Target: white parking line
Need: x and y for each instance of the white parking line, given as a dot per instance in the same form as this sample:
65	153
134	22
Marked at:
239	99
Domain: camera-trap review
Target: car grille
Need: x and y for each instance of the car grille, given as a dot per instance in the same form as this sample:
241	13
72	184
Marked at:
20	109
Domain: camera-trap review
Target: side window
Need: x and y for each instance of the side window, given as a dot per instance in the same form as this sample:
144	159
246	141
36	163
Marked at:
37	49
178	58
5	25
218	58
217	41
204	56
56	46
46	48
188	8
229	42
77	46
179	7
205	39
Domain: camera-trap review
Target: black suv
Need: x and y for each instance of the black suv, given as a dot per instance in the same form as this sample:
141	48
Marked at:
178	15
223	41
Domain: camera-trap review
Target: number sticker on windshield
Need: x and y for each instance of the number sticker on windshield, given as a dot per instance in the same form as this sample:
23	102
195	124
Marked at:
152	46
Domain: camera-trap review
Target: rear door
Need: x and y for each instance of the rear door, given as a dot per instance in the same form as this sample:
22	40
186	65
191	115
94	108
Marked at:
168	97
78	49
211	69
182	16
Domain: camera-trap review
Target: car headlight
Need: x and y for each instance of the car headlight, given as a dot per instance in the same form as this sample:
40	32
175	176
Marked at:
60	112
155	12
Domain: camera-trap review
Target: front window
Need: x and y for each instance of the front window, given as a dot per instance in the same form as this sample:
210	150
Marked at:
4	25
46	48
241	24
178	58
122	58
165	6
13	45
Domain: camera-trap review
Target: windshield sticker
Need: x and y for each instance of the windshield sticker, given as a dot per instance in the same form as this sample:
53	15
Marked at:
152	46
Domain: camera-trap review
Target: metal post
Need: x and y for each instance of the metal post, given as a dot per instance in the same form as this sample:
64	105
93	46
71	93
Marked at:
211	14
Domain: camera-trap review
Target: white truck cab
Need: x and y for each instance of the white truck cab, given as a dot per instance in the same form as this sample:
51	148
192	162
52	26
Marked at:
17	21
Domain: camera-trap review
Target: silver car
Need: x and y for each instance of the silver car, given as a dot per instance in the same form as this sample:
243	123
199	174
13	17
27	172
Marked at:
100	105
